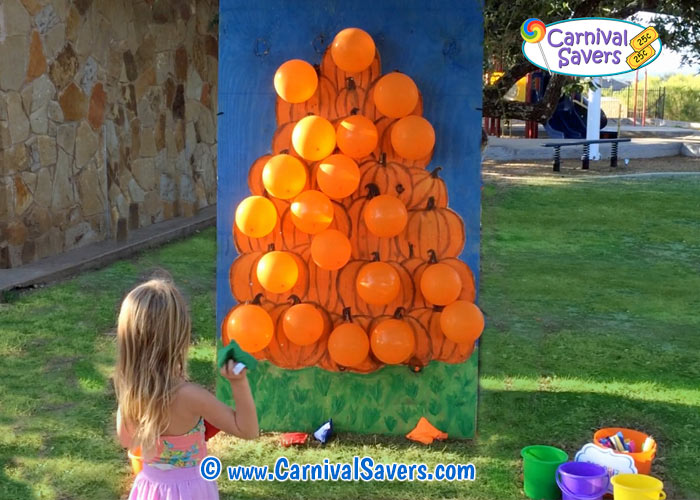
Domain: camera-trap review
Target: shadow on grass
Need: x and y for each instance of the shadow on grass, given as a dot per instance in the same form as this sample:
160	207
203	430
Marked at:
11	488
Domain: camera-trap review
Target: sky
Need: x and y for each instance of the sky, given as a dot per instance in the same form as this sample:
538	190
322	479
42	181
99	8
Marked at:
667	62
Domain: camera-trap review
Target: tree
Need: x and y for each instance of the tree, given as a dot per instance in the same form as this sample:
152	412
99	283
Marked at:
502	42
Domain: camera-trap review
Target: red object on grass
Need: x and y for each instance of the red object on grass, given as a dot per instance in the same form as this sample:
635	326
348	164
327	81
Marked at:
289	438
210	431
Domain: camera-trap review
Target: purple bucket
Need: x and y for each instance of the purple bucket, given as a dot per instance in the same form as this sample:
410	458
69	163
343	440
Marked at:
582	481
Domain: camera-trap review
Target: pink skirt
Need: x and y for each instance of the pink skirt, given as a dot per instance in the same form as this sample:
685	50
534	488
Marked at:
176	484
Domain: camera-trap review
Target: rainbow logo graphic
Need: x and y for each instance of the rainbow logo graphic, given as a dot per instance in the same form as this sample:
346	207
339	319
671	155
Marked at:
533	31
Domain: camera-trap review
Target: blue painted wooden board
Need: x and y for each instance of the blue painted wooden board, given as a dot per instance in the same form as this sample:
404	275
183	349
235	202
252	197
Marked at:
439	44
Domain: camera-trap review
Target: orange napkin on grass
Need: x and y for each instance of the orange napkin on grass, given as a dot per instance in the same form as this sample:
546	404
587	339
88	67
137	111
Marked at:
425	432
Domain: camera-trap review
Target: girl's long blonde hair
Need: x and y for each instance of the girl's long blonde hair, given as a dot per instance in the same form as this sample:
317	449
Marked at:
153	336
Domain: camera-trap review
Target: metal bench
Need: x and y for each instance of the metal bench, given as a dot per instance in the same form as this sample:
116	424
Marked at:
585	159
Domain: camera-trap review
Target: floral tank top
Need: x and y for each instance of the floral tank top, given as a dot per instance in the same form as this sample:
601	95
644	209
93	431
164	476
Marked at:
185	450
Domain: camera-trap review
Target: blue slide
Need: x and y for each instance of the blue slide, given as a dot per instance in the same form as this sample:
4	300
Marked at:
569	120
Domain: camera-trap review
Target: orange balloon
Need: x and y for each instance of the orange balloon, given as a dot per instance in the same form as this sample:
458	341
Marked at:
377	283
313	137
462	322
338	176
256	216
357	136
330	249
385	215
440	284
284	176
303	324
348	345
296	81
277	271
393	341
312	211
250	326
353	50
395	95
413	137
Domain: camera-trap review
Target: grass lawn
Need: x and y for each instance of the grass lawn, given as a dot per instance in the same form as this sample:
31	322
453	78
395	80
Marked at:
591	294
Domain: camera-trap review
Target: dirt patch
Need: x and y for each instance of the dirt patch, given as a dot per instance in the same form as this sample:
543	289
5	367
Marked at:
60	363
493	171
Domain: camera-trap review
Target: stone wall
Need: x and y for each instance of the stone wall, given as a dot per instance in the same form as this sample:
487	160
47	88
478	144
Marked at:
107	119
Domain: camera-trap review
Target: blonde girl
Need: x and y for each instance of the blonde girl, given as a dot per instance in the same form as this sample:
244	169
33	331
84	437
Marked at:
160	411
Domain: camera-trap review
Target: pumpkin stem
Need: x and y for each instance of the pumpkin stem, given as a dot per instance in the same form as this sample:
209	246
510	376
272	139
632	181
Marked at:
350	83
399	313
346	315
257	299
434	173
400	189
354	111
382	159
431	203
375	256
437	308
271	247
410	250
433	256
372	190
295	299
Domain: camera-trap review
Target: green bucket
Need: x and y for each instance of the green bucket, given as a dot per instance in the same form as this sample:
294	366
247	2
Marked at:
540	465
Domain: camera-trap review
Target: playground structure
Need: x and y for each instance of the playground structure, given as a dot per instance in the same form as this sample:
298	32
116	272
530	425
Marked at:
569	120
383	397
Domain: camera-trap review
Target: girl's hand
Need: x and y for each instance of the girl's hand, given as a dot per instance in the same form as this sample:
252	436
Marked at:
228	373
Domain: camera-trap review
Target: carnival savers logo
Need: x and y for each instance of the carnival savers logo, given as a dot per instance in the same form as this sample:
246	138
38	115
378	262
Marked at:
590	46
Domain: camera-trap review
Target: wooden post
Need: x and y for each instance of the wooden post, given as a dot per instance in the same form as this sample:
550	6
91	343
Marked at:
619	118
133	216
122	229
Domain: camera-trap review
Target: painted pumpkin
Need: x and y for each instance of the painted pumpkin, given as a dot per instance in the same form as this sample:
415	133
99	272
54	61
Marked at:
243	278
422	353
369	364
426	184
245	244
363	79
293	237
442	348
285	353
249	325
365	243
416	266
347	290
389	178
322	103
439	229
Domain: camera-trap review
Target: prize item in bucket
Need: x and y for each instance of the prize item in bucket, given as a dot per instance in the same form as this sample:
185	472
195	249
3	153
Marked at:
637	487
582	481
540	464
638	445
